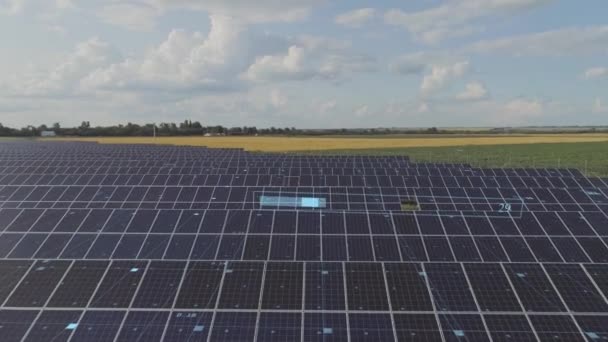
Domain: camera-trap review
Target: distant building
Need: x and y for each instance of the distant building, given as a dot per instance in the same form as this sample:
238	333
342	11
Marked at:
48	134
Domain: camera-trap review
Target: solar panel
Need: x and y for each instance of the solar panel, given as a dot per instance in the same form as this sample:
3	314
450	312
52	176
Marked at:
167	243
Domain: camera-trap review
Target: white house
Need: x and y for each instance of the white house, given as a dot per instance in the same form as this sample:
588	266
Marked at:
48	134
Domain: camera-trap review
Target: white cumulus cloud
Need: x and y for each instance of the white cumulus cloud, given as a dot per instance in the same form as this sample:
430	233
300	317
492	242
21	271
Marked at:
441	75
473	91
594	73
309	58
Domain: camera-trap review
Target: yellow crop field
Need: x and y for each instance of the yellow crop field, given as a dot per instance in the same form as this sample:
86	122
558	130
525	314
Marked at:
286	144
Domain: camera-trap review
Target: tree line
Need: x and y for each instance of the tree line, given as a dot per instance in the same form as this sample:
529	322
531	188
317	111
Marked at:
194	128
186	128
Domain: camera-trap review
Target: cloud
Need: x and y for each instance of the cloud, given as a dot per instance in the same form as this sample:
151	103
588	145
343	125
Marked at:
228	59
132	16
355	18
561	42
599	107
184	61
521	111
473	91
58	29
594	73
362	111
325	107
65	4
411	64
455	18
440	75
278	99
11	7
64	78
424	108
309	58
247	10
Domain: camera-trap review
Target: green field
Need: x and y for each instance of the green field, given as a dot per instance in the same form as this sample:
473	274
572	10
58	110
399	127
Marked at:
590	157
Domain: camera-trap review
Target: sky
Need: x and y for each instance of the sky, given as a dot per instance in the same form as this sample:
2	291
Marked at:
305	63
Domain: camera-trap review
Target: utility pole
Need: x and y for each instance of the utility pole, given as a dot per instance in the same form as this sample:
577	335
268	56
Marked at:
154	130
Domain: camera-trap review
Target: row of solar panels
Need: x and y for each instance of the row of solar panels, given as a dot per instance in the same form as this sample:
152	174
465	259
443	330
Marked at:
162	167
296	286
354	199
292	247
299	222
197	326
303	181
406	287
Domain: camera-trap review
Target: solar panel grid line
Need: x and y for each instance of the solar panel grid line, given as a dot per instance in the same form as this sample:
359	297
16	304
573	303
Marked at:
526	315
302	304
563	302
346	304
49	235
78	229
499	240
431	296
217	302
24	235
576	241
12	291
390	306
89	303
31	326
473	240
466	276
259	306
597	235
448	240
369	236
595	285
44	306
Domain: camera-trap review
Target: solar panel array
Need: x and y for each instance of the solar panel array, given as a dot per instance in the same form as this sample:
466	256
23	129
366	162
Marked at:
165	243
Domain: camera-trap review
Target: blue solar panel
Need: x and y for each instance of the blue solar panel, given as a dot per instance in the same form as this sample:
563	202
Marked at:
167	243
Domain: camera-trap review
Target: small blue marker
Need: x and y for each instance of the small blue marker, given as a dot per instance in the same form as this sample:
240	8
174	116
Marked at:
459	333
592	335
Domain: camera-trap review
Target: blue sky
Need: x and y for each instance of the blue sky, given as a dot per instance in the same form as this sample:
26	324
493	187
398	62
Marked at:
305	63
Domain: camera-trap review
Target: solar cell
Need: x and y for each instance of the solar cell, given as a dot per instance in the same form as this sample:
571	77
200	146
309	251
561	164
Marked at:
510	328
365	285
119	284
242	285
143	326
98	326
200	286
56	325
449	287
16	323
78	285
